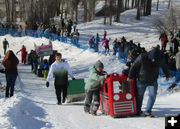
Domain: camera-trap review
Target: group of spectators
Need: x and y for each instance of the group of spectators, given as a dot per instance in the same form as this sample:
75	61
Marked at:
59	31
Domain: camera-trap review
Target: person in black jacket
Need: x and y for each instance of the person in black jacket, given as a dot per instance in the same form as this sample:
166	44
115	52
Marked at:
146	67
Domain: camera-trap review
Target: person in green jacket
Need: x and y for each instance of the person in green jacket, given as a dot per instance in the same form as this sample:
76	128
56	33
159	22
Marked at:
92	87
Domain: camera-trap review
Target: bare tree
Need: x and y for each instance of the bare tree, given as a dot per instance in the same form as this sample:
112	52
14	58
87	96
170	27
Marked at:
85	10
7	3
167	22
105	12
157	5
118	10
110	11
138	10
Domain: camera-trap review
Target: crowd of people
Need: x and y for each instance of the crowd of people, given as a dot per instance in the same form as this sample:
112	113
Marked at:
59	31
140	64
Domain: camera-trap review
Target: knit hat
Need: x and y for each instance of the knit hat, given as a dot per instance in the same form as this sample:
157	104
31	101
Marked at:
99	64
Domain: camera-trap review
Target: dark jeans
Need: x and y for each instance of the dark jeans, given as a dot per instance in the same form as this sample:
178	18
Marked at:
5	50
61	89
10	82
88	101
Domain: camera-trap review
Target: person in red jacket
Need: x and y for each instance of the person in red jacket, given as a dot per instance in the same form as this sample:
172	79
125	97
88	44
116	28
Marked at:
23	54
164	40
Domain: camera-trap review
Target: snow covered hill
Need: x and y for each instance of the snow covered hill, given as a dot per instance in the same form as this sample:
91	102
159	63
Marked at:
34	106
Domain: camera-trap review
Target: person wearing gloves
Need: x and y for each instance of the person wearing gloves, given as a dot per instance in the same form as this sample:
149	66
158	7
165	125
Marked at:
60	70
92	87
146	69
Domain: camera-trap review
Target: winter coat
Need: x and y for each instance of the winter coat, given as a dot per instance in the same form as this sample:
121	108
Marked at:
55	69
23	52
164	39
178	61
97	39
61	76
5	44
106	43
176	45
46	66
10	63
146	70
94	80
115	44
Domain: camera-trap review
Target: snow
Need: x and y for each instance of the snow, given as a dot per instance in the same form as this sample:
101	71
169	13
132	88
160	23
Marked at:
34	106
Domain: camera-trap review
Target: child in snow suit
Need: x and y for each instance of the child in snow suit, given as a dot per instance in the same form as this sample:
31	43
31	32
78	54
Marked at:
115	46
106	46
45	68
92	87
23	54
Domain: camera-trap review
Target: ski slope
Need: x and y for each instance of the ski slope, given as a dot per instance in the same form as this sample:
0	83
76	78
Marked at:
34	106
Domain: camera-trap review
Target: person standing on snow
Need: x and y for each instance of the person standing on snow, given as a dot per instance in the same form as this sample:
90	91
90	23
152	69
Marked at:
164	40
97	40
115	46
177	76
92	87
60	70
105	34
10	63
106	46
23	54
5	45
147	66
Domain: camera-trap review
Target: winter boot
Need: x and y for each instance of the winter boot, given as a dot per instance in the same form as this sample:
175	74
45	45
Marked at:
149	115
172	86
59	103
93	113
87	109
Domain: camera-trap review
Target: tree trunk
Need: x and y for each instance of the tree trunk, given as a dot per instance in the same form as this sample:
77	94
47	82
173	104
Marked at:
93	9
105	6
13	11
149	4
76	13
62	8
169	3
85	11
118	10
89	10
157	5
7	10
138	10
132	5
110	11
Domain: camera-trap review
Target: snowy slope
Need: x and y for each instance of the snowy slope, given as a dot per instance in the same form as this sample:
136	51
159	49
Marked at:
34	106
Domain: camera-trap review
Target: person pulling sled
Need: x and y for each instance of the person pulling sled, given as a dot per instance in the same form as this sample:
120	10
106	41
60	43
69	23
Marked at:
92	87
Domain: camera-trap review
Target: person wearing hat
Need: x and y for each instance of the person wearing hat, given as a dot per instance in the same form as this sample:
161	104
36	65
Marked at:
92	87
146	69
115	46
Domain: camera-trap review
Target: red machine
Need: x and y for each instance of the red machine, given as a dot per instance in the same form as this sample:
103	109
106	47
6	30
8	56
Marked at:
117	96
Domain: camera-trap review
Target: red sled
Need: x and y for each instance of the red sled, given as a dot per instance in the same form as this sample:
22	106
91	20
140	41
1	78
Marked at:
117	96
